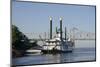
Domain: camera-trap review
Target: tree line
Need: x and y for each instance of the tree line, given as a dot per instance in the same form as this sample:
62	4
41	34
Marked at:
20	42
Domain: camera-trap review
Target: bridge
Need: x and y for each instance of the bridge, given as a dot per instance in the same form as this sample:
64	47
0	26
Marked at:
78	36
47	39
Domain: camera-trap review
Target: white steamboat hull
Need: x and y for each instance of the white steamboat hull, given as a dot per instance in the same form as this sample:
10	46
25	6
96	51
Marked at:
65	47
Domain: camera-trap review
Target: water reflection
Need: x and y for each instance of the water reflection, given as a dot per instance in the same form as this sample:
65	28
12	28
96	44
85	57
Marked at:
79	54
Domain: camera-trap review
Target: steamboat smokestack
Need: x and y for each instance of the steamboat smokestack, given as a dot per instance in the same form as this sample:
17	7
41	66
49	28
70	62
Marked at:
50	27
60	28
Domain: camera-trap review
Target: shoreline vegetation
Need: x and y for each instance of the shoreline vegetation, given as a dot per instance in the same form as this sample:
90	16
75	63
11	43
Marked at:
20	43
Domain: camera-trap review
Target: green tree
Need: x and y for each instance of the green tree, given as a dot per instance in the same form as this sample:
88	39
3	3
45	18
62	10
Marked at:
20	42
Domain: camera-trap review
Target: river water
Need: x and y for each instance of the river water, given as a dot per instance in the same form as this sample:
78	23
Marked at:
83	51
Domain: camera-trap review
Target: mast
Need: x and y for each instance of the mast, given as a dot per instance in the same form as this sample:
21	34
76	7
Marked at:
65	33
56	30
